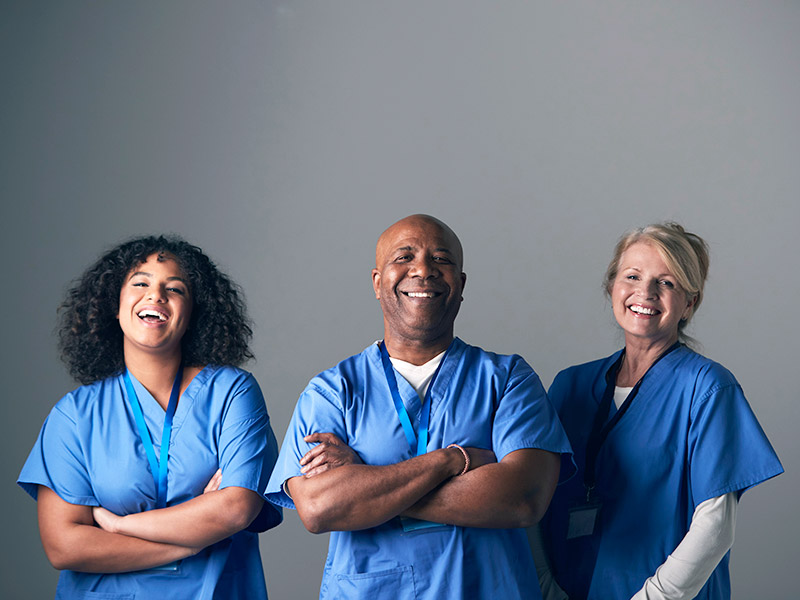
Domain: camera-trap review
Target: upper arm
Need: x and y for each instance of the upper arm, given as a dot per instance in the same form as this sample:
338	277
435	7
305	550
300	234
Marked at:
315	412
525	418
56	517
728	450
57	459
536	472
247	454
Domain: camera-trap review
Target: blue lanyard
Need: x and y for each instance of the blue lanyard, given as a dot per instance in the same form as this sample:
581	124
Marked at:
601	428
157	468
421	443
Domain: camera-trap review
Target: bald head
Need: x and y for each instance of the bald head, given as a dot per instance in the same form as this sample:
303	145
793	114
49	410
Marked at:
418	280
421	224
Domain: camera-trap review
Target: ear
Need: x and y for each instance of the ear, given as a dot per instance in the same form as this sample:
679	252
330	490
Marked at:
376	283
463	283
687	312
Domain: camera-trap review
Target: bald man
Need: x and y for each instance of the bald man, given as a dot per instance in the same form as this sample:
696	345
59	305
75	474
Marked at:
423	455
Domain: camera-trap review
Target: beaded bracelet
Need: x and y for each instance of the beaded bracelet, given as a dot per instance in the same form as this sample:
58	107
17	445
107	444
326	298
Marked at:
466	458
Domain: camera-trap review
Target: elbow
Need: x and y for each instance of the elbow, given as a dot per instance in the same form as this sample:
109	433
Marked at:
531	509
528	514
240	508
243	513
314	517
60	556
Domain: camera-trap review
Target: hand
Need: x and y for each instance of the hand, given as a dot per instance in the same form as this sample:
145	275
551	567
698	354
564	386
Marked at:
329	453
213	483
105	519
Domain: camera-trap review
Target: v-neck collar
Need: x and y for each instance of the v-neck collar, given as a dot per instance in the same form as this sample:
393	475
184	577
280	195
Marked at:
154	413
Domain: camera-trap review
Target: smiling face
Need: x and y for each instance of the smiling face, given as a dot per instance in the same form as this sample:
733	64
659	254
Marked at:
155	306
418	280
647	300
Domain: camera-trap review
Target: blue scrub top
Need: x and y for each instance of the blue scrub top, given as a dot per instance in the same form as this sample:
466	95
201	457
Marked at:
688	436
89	452
478	399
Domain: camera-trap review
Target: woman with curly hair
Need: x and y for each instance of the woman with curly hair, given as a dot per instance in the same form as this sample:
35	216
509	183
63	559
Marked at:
148	476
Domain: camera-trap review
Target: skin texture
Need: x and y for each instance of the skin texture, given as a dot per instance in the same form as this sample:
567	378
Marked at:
152	353
420	255
645	282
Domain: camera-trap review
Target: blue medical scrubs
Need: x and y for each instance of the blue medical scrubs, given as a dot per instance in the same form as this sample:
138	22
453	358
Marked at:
688	436
478	399
89	452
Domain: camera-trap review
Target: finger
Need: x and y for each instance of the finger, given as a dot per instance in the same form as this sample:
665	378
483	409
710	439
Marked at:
320	459
323	437
317	470
308	456
213	483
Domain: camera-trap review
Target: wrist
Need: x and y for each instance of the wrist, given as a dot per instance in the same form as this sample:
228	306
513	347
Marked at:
464	455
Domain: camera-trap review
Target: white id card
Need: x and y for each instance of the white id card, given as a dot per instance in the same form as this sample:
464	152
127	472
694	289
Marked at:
582	520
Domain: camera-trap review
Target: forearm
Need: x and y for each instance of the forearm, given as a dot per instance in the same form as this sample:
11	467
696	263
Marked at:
199	522
512	493
358	496
71	541
687	569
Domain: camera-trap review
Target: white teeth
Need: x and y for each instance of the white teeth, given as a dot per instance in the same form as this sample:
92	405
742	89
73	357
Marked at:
152	313
419	294
642	310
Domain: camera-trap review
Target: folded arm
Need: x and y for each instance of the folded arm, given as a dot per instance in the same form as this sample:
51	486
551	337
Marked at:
71	541
199	522
354	496
337	493
514	492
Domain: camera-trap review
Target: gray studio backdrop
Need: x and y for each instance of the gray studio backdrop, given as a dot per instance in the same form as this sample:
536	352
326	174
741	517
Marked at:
283	137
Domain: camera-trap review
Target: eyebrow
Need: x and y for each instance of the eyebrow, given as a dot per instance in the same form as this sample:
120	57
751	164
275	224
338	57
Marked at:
412	248
146	274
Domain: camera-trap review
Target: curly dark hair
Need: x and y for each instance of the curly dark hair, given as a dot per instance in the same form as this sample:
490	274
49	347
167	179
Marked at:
90	338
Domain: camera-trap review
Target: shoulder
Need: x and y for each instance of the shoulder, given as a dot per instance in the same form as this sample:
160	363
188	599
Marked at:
90	398
225	376
705	376
585	372
494	364
347	376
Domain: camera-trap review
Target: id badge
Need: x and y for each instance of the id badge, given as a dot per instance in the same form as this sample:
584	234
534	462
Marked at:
583	519
410	524
173	566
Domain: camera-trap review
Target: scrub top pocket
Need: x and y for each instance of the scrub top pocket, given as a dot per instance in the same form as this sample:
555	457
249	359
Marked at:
397	583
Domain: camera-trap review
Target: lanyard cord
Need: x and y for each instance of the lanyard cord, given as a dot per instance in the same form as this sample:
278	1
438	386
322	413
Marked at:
601	429
421	444
157	468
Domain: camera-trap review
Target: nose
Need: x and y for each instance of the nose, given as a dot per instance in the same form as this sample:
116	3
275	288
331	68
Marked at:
156	293
649	289
425	268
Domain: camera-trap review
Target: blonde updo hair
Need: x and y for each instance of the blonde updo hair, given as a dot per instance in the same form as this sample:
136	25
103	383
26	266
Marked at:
686	255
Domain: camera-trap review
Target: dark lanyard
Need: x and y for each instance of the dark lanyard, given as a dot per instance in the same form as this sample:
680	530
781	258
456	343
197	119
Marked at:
421	443
601	429
157	468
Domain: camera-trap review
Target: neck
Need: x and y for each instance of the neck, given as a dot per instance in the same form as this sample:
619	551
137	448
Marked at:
155	373
639	357
416	352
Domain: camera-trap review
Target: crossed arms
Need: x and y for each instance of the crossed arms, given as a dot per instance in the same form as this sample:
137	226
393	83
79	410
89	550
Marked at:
337	492
141	540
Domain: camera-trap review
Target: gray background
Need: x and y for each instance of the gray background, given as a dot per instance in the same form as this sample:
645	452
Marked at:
283	137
